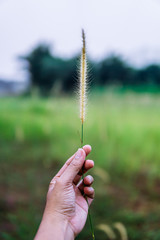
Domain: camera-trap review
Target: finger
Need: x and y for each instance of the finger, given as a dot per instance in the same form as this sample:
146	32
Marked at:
65	166
88	164
77	179
89	192
88	180
74	167
86	148
53	181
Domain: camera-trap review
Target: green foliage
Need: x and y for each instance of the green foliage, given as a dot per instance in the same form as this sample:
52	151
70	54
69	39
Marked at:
128	123
149	75
36	137
42	67
113	70
48	72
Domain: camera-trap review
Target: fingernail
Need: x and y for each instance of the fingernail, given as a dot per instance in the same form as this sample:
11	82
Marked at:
78	154
90	189
90	178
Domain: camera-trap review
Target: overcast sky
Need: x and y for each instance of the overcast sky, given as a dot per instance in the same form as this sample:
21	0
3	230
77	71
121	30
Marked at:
127	27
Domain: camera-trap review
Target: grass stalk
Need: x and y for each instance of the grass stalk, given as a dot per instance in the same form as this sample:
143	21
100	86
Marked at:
89	211
82	92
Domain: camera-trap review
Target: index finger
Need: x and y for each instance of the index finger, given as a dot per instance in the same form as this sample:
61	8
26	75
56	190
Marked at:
86	148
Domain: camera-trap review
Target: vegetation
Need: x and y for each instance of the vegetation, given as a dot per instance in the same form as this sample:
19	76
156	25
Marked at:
48	72
124	131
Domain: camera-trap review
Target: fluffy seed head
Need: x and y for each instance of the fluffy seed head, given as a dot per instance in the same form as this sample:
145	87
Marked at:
83	79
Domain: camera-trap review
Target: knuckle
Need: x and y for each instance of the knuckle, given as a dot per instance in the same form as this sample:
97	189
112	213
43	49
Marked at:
75	164
54	180
59	182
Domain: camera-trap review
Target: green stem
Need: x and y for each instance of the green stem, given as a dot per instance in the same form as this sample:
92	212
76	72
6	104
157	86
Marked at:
82	136
89	211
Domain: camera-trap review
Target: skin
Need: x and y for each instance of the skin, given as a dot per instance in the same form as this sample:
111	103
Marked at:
66	208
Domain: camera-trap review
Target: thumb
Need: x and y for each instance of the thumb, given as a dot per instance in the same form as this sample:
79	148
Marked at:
74	167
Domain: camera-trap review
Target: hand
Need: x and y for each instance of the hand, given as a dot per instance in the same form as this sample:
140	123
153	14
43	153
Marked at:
66	205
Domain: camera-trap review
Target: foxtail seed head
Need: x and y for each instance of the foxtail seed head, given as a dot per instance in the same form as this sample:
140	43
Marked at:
83	79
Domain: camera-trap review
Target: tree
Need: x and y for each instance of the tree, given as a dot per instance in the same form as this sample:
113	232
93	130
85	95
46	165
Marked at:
149	75
113	70
48	71
45	70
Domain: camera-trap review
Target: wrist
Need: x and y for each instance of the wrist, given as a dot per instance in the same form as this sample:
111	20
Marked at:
55	227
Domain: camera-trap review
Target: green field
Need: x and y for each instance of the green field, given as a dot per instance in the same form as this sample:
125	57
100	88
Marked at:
38	135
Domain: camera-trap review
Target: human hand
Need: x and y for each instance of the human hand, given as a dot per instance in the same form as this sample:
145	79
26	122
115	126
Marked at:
66	206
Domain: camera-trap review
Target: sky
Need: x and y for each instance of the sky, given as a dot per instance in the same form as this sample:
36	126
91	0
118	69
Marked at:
130	28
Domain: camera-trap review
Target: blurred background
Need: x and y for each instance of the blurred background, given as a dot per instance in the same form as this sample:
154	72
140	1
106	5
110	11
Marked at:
40	48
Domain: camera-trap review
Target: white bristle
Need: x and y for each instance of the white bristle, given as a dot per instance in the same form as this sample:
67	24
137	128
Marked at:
83	79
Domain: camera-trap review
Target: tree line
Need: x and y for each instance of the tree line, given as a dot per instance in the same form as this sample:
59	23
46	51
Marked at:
47	71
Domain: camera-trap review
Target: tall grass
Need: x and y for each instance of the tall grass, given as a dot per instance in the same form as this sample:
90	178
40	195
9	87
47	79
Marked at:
82	93
124	130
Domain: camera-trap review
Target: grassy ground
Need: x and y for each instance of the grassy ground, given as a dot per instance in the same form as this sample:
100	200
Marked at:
36	137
